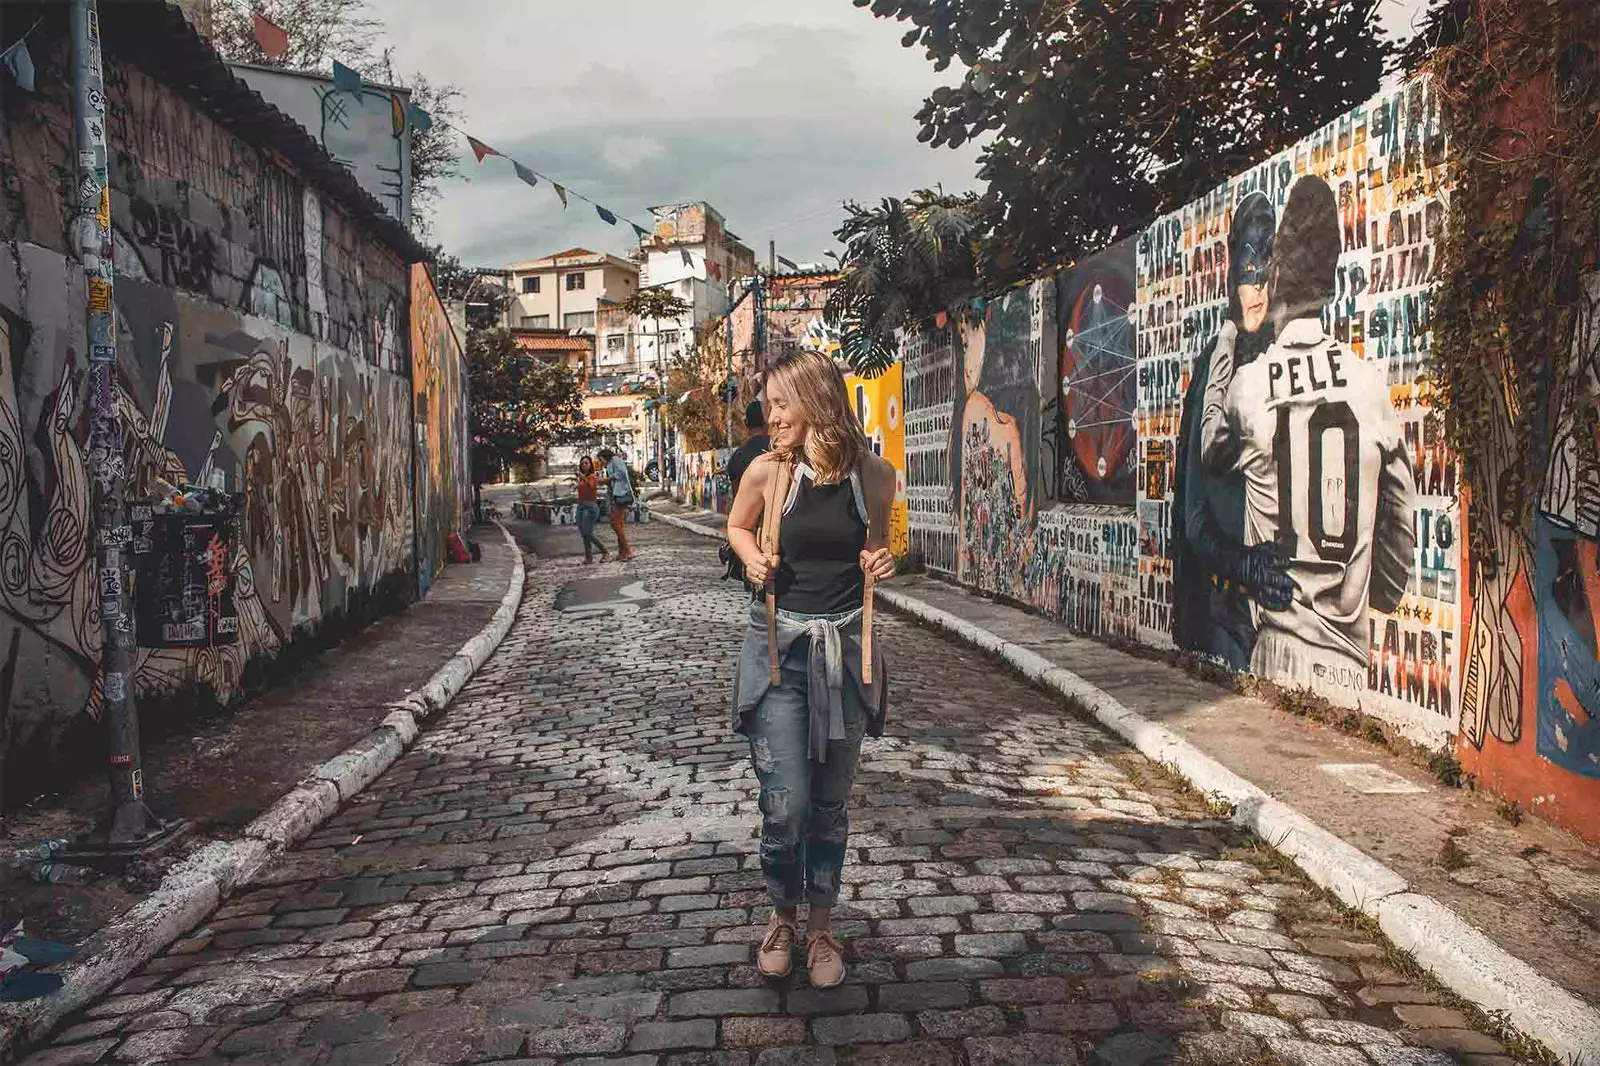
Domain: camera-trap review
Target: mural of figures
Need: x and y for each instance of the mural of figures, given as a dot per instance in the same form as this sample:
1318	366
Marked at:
1328	486
994	461
1089	433
1349	585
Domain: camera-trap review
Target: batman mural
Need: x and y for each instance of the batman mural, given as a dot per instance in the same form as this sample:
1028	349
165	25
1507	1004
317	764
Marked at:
1214	573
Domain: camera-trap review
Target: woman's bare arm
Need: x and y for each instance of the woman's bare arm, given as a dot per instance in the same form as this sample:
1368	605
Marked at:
745	515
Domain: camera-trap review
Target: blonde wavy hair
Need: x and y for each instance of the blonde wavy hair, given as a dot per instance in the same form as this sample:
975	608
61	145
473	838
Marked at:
834	443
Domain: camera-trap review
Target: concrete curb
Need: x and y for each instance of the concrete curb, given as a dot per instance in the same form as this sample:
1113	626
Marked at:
196	886
1459	956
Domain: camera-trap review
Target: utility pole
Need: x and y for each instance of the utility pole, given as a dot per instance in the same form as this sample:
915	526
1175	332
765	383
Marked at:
130	822
772	257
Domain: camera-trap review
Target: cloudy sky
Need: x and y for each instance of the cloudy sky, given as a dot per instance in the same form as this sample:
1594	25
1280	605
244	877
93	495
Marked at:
774	112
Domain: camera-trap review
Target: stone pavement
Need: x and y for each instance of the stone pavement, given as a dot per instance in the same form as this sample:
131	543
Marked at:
562	870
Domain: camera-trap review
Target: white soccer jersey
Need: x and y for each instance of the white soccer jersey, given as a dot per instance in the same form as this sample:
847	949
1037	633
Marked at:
1310	426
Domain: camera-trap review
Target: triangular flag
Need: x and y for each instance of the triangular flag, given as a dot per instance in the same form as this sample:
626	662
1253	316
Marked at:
524	173
688	260
421	121
273	38
20	63
480	149
605	216
640	230
346	79
561	192
940	319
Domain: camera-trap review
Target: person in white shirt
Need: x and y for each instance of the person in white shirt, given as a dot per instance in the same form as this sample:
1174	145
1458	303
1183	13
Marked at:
1327	476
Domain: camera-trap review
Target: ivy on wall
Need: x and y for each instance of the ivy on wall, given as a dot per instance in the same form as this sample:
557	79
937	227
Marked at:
1516	348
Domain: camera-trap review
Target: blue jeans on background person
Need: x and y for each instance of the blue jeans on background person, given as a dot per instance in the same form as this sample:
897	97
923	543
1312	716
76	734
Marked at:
588	516
805	820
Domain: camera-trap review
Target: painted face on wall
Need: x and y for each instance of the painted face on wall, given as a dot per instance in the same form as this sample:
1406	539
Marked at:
1250	241
1252	306
973	338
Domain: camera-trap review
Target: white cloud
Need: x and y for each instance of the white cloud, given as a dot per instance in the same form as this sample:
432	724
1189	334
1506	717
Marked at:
628	153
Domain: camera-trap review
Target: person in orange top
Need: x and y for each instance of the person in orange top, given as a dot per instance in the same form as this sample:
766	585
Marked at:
589	509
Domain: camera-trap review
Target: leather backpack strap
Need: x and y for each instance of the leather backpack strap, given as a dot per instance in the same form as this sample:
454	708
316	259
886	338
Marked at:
777	495
866	591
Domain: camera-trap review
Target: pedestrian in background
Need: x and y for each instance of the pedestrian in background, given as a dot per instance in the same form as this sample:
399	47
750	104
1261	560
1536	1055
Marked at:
621	499
828	496
755	420
589	509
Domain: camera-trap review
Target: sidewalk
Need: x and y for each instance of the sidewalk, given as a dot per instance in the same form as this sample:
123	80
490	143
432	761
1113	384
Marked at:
1531	889
222	773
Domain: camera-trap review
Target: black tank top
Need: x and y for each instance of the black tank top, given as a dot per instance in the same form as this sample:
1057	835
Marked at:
819	551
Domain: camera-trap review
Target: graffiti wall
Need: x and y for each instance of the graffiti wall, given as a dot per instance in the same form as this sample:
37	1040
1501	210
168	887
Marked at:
439	403
1217	434
366	129
258	342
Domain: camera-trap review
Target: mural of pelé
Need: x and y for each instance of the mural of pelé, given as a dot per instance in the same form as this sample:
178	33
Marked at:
1327	478
1214	573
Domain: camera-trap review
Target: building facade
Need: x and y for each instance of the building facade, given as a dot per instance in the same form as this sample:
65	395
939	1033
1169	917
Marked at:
567	290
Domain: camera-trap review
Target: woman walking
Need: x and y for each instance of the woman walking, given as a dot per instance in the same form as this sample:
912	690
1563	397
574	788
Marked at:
589	509
621	499
809	684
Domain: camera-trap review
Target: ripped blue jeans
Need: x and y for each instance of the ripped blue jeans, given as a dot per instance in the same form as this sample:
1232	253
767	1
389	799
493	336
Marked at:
805	820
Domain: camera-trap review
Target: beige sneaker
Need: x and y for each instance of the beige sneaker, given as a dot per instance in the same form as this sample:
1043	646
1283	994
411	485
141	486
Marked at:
775	958
824	960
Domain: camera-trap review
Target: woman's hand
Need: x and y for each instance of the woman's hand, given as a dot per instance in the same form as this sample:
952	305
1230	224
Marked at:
878	565
760	569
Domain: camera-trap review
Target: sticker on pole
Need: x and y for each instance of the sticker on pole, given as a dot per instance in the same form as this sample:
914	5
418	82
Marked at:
100	296
138	784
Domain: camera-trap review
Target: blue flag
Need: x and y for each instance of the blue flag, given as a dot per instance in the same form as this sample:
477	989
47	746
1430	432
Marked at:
688	260
20	63
605	216
524	173
421	121
640	230
345	79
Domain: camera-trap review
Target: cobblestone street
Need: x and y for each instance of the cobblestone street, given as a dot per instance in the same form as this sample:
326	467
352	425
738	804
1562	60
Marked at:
562	870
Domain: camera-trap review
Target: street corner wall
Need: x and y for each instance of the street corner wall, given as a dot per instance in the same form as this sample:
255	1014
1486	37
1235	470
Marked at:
1530	694
880	405
438	384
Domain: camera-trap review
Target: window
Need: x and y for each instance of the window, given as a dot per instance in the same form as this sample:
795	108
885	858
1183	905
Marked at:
535	321
669	336
578	320
574	282
530	284
616	343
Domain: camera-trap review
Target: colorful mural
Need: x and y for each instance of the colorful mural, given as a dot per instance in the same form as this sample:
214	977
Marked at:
878	405
1217	435
438	383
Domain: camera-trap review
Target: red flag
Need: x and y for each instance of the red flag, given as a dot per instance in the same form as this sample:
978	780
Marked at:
940	319
480	149
273	38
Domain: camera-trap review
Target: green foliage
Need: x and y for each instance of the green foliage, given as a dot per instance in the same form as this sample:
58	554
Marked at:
656	304
694	395
905	262
1516	338
1099	114
484	295
519	405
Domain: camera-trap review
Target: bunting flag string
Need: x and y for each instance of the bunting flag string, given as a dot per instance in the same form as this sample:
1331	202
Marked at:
346	79
530	177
